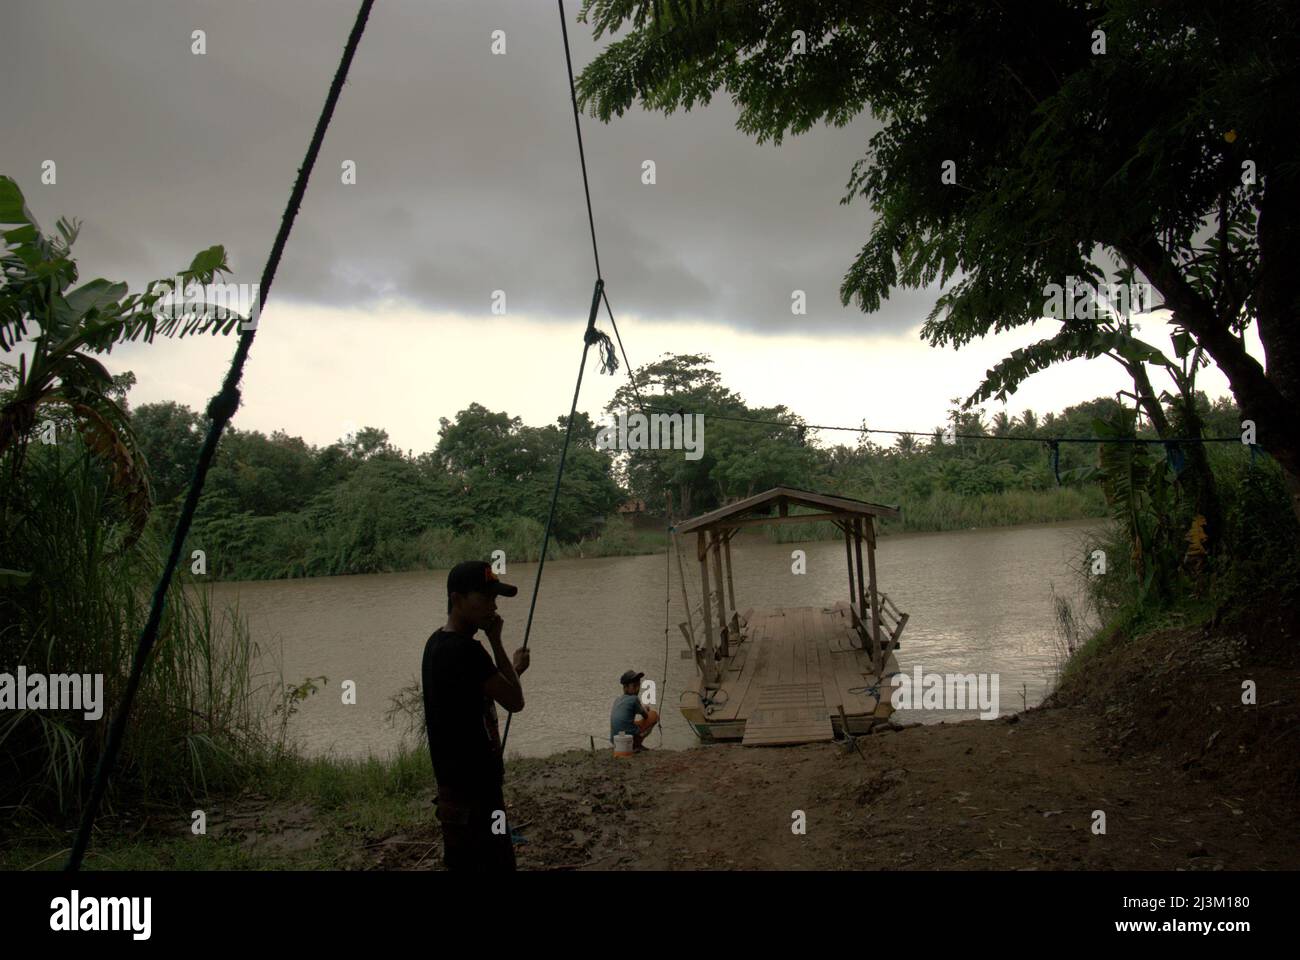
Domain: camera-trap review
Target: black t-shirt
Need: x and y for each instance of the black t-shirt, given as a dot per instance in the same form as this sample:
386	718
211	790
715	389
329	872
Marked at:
461	719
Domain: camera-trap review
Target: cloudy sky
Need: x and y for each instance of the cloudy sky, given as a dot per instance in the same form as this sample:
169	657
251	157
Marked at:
467	182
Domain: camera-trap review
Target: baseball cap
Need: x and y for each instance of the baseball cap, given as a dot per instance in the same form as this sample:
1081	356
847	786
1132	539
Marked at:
631	676
477	576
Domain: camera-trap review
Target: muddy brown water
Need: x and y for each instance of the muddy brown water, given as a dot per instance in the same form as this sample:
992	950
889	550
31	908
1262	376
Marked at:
980	602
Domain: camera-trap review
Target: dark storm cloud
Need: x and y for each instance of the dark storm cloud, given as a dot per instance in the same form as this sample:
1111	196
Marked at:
467	173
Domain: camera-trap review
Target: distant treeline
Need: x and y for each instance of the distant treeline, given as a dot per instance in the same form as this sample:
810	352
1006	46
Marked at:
279	507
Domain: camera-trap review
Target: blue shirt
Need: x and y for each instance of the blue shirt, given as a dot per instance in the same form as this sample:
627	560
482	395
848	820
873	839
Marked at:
623	715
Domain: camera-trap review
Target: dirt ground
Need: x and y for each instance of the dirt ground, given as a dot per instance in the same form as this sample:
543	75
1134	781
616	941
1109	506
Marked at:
1000	795
1152	733
976	795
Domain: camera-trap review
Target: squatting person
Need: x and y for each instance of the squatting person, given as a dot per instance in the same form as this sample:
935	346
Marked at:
623	717
462	686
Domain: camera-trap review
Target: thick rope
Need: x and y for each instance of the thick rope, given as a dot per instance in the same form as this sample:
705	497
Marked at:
668	594
582	156
609	360
221	408
587	341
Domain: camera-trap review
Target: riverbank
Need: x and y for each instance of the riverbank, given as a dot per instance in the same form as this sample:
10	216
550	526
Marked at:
440	549
1148	729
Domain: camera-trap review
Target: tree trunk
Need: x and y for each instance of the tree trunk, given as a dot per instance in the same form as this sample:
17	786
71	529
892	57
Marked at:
1204	490
1278	309
1147	397
1262	397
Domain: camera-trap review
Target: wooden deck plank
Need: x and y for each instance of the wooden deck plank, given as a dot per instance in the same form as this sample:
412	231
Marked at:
832	650
799	653
849	670
781	656
848	664
794	637
737	684
815	627
765	665
786	682
826	670
762	667
783	653
790	696
816	642
790	727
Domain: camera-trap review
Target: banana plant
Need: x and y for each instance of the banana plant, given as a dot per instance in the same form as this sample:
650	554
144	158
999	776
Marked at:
1078	339
58	328
1138	491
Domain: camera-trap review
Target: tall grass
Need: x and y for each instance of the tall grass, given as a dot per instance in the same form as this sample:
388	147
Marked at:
1254	559
193	727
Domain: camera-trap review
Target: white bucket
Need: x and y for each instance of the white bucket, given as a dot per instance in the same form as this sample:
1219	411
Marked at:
623	744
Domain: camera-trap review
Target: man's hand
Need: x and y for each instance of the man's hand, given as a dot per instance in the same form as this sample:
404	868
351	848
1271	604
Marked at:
493	629
520	660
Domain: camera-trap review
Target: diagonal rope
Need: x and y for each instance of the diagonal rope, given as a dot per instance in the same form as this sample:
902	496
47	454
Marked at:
609	362
582	156
221	408
588	340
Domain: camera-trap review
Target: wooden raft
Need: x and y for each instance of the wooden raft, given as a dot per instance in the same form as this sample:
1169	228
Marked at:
792	674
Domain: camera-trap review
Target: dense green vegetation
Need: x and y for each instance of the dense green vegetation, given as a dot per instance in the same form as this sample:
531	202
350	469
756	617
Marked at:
278	507
1153	565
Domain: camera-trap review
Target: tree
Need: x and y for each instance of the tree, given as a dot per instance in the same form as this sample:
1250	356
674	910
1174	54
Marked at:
1022	143
1116	340
38	274
737	458
262	475
501	468
170	436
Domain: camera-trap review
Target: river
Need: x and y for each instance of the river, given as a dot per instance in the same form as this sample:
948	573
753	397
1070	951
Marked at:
980	601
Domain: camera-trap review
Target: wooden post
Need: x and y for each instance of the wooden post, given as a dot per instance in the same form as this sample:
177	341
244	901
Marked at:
848	557
876	653
731	587
857	545
686	600
710	664
723	636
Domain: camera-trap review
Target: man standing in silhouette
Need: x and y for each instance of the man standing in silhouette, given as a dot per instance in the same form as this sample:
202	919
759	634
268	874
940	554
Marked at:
462	686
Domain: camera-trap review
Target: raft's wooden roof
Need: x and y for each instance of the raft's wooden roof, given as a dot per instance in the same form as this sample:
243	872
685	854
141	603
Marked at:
822	502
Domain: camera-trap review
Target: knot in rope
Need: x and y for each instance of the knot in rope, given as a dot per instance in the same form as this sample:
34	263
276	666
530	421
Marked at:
223	406
599	339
